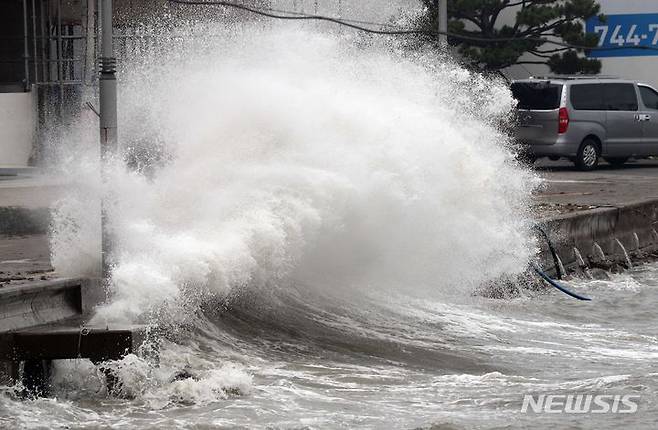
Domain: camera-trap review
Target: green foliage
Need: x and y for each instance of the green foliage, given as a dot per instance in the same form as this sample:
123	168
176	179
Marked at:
561	19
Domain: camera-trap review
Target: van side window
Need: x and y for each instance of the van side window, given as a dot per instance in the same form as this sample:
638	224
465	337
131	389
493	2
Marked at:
649	97
537	96
587	97
620	97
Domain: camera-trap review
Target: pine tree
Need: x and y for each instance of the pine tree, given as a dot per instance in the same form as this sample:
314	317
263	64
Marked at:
562	19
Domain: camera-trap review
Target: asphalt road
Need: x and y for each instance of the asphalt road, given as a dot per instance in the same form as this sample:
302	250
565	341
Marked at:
29	191
567	189
24	259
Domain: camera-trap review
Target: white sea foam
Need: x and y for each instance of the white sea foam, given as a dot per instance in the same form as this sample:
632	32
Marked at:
160	386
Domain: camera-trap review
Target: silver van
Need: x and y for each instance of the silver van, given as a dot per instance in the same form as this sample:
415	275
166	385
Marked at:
584	119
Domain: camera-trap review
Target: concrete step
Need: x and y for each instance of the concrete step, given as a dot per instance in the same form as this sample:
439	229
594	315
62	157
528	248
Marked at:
44	302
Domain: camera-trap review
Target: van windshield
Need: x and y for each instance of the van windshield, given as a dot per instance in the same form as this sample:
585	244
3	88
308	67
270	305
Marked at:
537	95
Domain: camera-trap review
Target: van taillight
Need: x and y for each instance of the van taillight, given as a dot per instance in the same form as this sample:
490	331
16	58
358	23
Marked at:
563	120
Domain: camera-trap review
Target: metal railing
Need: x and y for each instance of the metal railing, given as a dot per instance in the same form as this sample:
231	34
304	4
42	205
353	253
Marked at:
60	47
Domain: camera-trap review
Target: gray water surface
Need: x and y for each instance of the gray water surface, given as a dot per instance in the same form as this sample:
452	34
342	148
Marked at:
301	359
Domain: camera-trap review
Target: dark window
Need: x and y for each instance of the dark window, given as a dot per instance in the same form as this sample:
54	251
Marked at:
649	97
587	97
537	95
620	97
12	64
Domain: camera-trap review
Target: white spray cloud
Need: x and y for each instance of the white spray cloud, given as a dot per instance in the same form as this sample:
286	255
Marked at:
335	161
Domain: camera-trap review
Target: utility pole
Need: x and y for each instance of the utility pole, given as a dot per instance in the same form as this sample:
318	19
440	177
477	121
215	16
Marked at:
442	22
108	118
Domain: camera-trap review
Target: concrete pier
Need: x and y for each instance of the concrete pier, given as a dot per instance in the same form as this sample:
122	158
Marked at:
70	340
47	320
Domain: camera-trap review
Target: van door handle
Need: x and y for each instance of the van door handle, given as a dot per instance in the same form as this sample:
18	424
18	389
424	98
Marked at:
643	117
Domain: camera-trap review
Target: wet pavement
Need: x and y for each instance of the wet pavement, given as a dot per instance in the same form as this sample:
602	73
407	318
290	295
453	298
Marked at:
29	190
24	259
567	189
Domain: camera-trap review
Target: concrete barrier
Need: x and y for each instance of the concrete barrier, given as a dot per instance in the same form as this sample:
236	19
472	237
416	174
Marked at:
600	234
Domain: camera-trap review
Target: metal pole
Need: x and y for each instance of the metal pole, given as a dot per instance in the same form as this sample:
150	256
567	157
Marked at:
45	66
108	84
60	57
36	141
443	22
108	119
34	42
87	34
26	50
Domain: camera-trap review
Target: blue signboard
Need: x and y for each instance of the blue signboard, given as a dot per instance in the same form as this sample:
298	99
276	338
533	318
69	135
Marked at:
625	31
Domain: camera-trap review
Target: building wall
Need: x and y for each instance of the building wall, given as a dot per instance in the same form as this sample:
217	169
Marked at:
16	128
636	65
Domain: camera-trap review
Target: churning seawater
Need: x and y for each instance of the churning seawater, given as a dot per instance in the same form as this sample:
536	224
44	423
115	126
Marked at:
305	219
299	360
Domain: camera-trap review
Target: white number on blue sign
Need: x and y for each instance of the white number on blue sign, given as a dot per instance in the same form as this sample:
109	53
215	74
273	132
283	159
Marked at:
620	38
622	35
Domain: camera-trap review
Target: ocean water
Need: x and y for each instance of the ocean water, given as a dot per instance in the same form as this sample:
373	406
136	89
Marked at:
300	360
306	219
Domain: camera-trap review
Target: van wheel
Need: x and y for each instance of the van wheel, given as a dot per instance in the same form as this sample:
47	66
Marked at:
588	155
617	161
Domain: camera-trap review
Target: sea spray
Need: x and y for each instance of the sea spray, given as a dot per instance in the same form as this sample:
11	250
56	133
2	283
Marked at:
159	386
275	154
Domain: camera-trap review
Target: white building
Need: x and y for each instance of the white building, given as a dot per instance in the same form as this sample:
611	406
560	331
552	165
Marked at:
630	23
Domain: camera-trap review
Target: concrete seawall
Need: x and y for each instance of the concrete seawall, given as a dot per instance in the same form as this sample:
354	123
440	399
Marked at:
603	237
17	221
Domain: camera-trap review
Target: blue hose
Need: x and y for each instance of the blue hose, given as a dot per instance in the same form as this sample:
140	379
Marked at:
556	285
556	259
